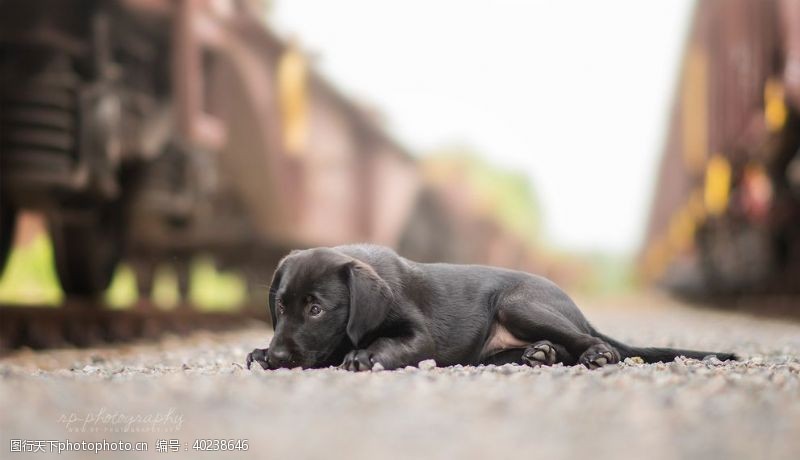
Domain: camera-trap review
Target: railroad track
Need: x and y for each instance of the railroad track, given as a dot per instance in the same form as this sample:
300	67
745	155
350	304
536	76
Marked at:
83	324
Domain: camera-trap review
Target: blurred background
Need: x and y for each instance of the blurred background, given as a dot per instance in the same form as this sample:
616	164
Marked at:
162	154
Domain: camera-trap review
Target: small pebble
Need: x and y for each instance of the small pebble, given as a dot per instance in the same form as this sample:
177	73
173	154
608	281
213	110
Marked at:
427	365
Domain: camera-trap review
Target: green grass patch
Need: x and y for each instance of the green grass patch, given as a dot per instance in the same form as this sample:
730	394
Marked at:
30	278
214	290
30	275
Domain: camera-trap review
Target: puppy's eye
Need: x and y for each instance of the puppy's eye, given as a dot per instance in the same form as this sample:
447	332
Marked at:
315	310
280	307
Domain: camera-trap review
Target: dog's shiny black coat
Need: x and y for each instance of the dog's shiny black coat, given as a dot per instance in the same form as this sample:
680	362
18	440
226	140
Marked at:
361	305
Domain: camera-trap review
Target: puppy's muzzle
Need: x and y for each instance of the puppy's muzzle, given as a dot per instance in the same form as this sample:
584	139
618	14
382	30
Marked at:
279	356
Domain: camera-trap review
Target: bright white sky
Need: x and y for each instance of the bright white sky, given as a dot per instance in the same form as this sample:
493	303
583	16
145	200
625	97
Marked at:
574	93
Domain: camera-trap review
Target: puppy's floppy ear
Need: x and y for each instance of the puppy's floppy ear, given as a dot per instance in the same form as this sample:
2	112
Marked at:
275	284
370	300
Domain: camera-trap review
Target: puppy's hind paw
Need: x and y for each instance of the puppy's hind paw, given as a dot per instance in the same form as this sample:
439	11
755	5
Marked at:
599	355
541	353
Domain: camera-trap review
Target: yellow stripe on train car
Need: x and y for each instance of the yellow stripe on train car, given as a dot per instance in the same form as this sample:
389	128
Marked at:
681	231
775	111
293	97
717	185
696	206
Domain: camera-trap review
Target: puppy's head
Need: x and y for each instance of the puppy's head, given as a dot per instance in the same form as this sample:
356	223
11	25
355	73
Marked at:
323	303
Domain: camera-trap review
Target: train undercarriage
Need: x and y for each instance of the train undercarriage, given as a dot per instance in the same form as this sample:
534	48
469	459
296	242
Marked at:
87	137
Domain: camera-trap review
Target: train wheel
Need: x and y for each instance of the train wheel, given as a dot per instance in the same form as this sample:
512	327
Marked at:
8	220
87	251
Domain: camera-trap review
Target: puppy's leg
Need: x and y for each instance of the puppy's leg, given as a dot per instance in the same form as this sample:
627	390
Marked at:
536	322
541	353
391	353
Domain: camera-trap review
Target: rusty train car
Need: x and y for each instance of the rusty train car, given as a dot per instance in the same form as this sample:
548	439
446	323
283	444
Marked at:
152	131
726	214
156	130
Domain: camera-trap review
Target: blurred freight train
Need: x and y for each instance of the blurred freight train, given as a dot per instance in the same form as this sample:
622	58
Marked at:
726	214
151	131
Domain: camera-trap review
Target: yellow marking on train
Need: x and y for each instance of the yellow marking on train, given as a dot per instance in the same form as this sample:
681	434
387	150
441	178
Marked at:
696	206
681	231
293	97
775	111
680	236
718	185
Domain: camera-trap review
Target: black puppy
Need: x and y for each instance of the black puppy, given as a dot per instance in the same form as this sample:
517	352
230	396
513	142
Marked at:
363	305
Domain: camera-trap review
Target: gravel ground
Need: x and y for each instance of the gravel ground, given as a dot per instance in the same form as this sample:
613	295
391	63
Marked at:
196	388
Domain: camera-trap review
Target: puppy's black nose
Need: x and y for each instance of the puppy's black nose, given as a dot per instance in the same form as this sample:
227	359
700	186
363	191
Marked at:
279	356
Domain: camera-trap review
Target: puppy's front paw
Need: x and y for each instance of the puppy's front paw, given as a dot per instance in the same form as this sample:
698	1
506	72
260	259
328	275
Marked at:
599	355
358	360
258	355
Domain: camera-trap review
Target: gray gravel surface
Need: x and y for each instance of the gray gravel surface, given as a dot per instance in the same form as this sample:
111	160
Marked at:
196	388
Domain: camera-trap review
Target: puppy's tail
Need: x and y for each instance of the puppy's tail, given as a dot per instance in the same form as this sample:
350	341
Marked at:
655	355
